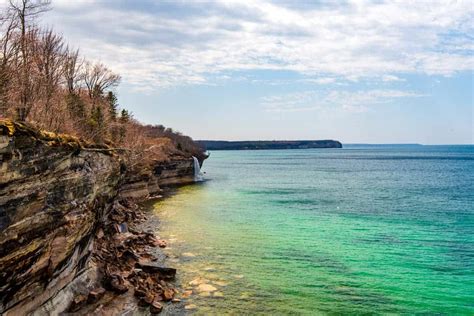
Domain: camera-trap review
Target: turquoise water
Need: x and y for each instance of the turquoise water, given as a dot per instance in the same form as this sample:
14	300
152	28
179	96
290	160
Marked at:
354	230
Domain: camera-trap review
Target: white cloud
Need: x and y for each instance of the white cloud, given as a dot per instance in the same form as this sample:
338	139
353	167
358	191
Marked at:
352	101
173	43
390	78
321	81
291	102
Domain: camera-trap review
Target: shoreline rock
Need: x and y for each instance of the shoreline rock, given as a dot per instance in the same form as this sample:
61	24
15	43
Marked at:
65	224
126	263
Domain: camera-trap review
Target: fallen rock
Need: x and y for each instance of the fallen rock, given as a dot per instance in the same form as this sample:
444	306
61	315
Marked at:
149	298
119	284
77	303
186	294
206	288
221	283
190	306
198	281
161	243
121	228
100	233
210	269
130	254
168	294
126	262
95	295
218	294
139	292
151	267
156	307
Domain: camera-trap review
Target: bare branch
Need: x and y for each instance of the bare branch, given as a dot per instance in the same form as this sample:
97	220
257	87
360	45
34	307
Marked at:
99	78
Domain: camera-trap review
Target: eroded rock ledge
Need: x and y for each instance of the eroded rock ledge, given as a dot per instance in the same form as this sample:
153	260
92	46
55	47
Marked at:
56	191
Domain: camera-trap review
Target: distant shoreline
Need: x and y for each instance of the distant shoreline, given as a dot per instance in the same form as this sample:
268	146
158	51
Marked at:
262	145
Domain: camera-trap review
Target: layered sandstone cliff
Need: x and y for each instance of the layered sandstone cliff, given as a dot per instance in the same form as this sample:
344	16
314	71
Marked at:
55	191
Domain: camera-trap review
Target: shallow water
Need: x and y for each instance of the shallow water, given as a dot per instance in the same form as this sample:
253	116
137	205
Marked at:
354	230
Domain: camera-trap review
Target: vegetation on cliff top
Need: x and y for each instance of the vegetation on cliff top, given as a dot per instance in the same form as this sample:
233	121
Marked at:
48	85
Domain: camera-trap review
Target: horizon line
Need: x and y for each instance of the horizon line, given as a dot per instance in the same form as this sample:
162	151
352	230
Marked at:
343	143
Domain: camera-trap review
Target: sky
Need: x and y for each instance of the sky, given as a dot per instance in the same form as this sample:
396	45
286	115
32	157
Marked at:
355	71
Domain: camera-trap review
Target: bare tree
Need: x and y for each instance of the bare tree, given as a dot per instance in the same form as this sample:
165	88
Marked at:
25	11
48	55
98	78
72	69
7	50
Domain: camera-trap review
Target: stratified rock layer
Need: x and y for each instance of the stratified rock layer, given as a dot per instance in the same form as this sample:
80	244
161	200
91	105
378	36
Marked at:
147	182
55	190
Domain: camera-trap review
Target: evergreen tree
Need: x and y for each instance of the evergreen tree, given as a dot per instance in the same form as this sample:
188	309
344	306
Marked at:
113	105
98	124
124	119
124	116
76	106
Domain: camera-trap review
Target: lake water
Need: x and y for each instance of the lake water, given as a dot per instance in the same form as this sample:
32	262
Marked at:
353	230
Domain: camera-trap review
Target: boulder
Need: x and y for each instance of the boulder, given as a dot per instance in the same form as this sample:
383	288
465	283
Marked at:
95	295
156	307
152	267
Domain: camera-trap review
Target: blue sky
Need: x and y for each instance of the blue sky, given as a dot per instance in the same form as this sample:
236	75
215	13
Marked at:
356	71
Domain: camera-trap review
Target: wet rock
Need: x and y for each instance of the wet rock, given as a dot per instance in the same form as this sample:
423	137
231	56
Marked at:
149	298
151	267
187	294
161	243
198	281
206	288
168	294
140	292
156	307
190	306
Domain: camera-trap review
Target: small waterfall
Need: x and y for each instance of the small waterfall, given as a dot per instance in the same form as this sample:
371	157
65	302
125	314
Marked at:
197	171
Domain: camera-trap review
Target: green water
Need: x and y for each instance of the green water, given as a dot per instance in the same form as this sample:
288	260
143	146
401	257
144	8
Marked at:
351	231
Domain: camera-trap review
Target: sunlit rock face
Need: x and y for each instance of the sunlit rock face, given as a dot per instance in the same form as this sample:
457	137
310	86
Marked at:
177	171
53	192
148	182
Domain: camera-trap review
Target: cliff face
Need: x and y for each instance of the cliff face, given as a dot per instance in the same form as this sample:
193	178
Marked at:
147	181
54	192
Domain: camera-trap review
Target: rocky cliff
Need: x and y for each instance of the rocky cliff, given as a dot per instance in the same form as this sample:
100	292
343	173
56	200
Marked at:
55	190
146	182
